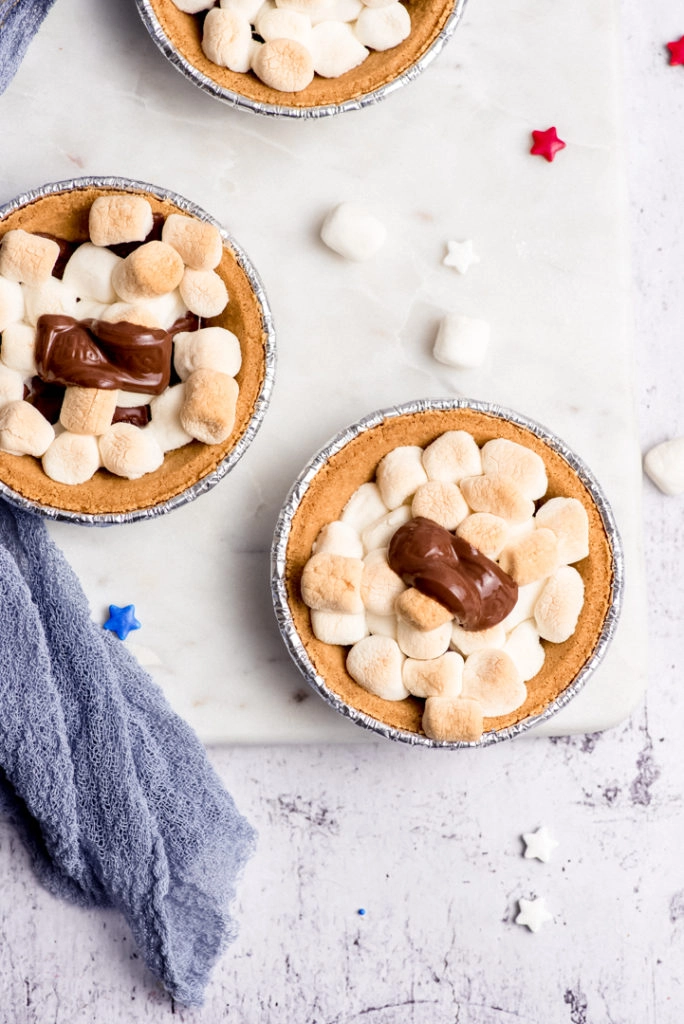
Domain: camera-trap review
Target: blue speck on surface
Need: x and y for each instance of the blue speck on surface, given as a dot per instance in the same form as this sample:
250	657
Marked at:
121	621
361	911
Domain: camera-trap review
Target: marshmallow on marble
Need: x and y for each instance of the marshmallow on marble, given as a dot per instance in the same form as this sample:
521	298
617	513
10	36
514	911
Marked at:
245	8
165	423
532	557
440	501
400	473
559	605
339	538
353	231
89	272
467	641
283	23
198	243
454	721
24	430
501	457
383	625
152	269
332	583
364	507
524	606
452	456
461	341
284	64
126	312
72	458
492	678
203	292
27	258
380	585
423	644
524	648
379	533
486	532
381	28
208	411
375	663
11	385
210	348
664	464
336	49
568	519
439	677
118	219
130	452
19	348
338	628
11	303
50	297
497	495
421	611
88	410
226	39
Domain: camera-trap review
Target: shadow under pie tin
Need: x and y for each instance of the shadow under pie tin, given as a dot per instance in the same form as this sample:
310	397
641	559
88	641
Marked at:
179	37
61	209
349	460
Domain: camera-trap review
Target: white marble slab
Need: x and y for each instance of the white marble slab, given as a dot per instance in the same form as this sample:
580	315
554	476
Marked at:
445	158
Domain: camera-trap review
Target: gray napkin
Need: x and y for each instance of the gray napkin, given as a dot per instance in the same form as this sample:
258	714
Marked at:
19	22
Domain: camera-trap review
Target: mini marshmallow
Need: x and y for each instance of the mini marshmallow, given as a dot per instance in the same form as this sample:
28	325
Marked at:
382	625
531	558
524	606
18	349
226	39
381	28
364	507
120	218
27	258
332	583
315	10
88	410
377	3
375	663
423	644
89	272
245	8
559	605
439	677
210	348
526	469
203	292
11	385
24	430
336	49
129	451
379	533
492	678
420	611
281	23
453	721
165	308
664	464
486	532
165	424
467	641
440	501
497	495
344	10
400	473
52	296
198	243
208	411
284	64
567	518
89	309
11	303
336	628
380	585
126	312
193	6
133	399
524	648
352	231
152	269
452	456
461	341
72	458
339	538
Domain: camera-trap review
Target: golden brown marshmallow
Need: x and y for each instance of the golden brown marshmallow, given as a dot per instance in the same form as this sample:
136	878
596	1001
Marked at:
23	430
26	257
455	721
421	611
440	501
121	218
492	678
88	410
532	557
380	585
208	410
333	583
498	495
439	677
568	519
198	244
154	268
486	532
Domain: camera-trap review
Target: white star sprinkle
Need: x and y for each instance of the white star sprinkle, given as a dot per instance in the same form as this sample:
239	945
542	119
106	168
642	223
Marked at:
539	844
533	914
460	256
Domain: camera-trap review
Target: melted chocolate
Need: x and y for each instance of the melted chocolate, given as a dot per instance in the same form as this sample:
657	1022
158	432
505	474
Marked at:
138	415
448	569
66	251
188	322
47	398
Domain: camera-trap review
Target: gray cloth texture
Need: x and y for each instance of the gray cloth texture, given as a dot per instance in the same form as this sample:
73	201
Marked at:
111	791
19	22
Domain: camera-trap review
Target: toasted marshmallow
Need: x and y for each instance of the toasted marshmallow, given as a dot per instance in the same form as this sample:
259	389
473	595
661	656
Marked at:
152	269
208	411
245	8
51	296
198	243
284	64
11	385
283	23
165	423
454	721
127	312
525	468
72	458
210	348
567	518
332	583
524	606
337	628
364	507
524	648
492	678
399	474
452	456
381	28
89	272
203	292
11	303
440	501
88	410
467	641
129	451
336	49
133	399
486	532
375	663
27	258
559	605
423	644
379	533
382	625
23	430
19	348
498	495
439	677
339	538
461	341
380	585
664	464
353	231
226	39
421	611
532	557
120	218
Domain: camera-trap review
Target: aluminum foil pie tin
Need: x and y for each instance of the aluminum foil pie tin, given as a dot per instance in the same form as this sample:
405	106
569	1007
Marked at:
319	462
242	102
269	354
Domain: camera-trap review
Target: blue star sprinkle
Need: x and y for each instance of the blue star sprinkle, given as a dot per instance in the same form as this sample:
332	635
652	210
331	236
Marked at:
121	621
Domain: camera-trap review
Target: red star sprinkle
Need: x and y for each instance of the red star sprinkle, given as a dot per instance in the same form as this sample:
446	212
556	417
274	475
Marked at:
547	144
676	51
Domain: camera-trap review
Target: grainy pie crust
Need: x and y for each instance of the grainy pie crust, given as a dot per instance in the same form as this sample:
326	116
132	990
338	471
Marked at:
331	488
65	214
